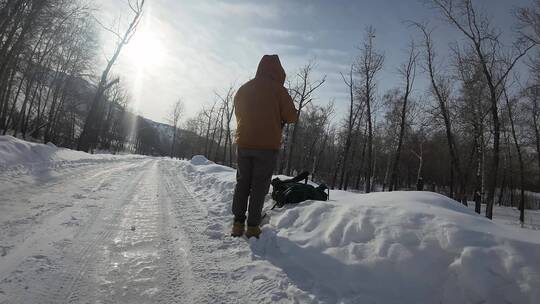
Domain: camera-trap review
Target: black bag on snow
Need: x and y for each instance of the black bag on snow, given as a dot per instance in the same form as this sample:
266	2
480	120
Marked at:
292	191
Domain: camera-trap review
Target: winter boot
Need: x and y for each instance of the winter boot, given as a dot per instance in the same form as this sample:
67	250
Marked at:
253	231
238	229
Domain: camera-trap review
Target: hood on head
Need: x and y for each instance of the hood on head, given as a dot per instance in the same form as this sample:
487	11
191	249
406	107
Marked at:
270	67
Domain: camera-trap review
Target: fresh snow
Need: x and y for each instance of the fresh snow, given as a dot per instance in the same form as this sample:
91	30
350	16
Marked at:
82	228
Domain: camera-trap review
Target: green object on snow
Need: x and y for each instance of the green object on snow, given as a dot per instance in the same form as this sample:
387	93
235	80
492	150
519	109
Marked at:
292	191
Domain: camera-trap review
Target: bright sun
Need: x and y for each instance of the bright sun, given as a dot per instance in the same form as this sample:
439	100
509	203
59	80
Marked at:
145	49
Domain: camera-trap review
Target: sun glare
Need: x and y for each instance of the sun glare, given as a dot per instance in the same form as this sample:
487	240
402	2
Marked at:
146	54
145	49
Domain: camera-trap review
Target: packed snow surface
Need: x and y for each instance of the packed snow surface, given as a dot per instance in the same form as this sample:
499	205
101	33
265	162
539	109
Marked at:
82	228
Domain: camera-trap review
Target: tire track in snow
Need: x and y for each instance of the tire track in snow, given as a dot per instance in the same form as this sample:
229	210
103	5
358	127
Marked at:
214	283
87	259
59	283
34	231
178	273
140	263
33	206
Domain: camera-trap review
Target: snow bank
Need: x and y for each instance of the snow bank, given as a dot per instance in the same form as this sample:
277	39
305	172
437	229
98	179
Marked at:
199	160
413	247
17	154
398	247
211	182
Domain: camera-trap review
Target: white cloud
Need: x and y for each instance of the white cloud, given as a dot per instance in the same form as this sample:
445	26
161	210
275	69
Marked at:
230	9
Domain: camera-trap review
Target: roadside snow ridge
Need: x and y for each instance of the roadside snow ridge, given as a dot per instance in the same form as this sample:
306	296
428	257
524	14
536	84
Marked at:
392	247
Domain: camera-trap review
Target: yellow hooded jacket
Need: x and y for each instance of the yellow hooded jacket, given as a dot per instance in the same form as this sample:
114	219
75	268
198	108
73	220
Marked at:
262	105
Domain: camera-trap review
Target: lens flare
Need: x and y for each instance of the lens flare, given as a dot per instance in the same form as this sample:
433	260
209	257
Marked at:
145	52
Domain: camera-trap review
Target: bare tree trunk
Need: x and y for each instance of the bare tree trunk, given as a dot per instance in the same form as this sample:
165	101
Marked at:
502	185
520	159
408	71
220	132
441	93
420	156
13	106
4	99
230	150
26	117
536	127
495	157
351	121
317	158
285	148
207	135
212	140
361	162
353	154
478	189
370	63
369	171
386	172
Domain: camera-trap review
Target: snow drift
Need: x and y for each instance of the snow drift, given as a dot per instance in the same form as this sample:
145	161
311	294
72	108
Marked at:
398	247
17	154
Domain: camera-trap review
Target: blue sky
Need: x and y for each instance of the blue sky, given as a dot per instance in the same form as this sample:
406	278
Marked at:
191	48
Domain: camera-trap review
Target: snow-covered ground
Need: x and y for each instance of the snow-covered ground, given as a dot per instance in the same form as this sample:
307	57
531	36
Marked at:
510	216
82	228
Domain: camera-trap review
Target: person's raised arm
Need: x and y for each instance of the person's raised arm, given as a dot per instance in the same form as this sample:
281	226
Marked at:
289	114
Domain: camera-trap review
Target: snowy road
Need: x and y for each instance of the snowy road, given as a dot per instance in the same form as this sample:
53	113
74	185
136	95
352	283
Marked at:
125	231
101	228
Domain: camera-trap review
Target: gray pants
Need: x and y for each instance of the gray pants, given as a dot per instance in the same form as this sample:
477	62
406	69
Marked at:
253	177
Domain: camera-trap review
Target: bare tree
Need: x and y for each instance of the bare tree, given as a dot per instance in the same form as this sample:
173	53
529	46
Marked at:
408	72
474	108
368	65
520	157
351	121
176	111
209	114
532	96
318	146
220	122
440	88
302	95
228	111
88	137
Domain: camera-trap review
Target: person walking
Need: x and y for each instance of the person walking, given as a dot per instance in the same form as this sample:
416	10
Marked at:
262	107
